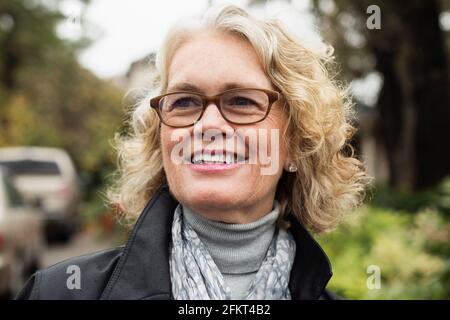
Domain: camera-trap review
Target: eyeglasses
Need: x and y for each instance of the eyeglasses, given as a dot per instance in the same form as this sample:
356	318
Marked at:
238	106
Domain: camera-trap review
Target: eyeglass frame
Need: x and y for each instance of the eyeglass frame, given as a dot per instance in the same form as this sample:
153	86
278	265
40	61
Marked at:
273	96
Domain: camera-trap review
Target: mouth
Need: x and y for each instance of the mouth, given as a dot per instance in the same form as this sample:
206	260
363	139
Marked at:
217	157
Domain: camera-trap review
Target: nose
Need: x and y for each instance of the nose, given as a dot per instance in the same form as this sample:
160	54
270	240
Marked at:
212	119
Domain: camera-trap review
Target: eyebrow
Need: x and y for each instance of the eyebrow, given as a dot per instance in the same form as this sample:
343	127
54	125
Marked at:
185	86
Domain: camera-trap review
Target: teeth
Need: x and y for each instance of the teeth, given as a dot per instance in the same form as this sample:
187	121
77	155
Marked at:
240	158
216	158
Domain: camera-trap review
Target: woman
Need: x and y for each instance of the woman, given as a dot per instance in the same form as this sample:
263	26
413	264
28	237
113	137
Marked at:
241	149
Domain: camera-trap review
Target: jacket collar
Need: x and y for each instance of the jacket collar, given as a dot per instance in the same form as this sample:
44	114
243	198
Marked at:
142	271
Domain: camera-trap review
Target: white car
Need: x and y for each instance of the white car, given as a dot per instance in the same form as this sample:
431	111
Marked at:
21	238
47	179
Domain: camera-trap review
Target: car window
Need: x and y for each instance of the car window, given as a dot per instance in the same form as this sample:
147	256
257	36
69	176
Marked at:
14	197
32	167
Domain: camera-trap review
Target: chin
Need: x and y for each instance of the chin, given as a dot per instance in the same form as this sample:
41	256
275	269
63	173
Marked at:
210	198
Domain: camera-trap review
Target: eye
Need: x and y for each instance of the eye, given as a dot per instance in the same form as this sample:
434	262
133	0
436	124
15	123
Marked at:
241	101
185	102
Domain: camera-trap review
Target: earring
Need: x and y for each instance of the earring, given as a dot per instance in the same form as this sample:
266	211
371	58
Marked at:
292	167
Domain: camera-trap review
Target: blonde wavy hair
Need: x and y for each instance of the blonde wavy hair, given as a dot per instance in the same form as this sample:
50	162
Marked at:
330	180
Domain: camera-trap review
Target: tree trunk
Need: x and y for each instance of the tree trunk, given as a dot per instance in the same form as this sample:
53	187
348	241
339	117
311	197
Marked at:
414	101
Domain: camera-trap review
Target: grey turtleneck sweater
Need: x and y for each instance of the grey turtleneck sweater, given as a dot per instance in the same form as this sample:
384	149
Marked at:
237	249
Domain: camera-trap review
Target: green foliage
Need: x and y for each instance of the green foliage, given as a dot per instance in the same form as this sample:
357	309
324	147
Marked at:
412	252
437	197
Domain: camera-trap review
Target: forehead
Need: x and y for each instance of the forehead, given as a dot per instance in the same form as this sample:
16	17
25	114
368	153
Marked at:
210	60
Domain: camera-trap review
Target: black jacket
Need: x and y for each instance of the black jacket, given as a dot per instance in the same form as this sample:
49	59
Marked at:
140	269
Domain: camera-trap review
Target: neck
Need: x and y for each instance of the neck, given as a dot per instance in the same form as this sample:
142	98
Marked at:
235	248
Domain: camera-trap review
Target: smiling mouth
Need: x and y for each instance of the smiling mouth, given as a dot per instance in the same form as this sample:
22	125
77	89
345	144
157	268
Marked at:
217	158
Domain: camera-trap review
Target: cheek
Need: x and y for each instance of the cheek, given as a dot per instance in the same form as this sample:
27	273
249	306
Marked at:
281	148
165	145
273	144
168	144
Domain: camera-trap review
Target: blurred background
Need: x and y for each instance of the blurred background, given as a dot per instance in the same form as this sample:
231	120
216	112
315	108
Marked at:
65	69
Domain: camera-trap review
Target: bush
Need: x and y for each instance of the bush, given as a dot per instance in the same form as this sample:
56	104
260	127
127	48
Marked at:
411	250
437	197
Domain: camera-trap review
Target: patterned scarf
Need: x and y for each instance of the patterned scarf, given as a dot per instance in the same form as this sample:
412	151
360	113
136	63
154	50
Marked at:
195	276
